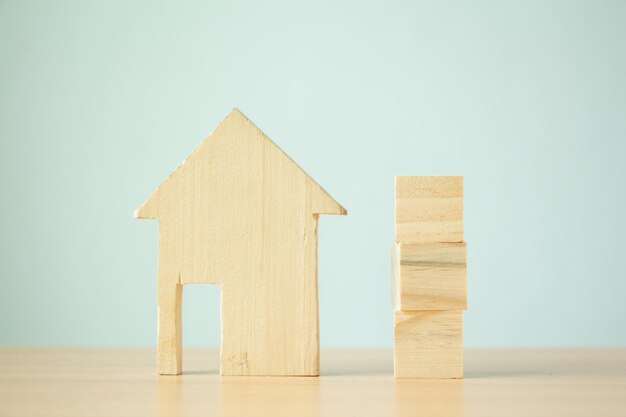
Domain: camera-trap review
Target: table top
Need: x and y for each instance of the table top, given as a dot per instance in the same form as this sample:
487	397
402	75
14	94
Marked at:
354	382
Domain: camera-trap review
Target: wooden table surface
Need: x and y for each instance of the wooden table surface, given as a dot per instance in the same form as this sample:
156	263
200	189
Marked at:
498	382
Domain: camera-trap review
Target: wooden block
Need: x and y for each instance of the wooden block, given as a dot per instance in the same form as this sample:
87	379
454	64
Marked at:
428	344
429	276
429	209
240	213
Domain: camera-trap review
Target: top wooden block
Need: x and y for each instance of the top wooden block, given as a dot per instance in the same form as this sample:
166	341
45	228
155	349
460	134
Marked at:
429	209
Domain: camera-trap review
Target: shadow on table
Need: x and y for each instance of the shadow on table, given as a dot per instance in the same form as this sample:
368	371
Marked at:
367	391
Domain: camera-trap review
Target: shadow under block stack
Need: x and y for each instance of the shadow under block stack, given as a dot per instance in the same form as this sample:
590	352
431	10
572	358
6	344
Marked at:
429	277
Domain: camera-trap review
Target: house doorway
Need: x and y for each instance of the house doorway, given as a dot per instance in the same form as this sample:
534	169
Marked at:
201	328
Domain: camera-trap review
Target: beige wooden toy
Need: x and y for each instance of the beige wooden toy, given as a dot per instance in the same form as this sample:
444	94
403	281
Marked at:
240	213
429	278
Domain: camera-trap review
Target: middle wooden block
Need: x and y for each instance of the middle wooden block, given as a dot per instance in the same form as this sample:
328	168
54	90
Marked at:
429	276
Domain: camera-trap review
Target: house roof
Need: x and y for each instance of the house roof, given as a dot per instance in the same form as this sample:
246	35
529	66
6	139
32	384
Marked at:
330	207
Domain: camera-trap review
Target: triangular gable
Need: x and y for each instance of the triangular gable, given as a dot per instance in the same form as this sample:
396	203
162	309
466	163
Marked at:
323	202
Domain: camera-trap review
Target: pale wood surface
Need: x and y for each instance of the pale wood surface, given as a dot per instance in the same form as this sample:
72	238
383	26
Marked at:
429	276
85	382
429	209
240	213
428	344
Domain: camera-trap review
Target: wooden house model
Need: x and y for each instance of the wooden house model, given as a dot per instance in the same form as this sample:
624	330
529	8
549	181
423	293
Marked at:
240	213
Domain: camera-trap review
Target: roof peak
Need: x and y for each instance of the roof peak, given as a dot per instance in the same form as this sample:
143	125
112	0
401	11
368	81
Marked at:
145	211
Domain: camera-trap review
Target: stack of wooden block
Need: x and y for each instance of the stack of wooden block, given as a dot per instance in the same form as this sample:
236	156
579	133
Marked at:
429	278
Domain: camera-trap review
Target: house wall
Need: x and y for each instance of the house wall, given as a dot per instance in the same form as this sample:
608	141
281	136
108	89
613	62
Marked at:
239	213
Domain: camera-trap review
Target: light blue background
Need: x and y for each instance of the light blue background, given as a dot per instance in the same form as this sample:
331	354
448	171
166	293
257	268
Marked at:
99	101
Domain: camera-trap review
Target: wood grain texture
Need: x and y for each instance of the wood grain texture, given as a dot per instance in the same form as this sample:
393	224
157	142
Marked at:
429	276
79	382
428	344
240	213
429	209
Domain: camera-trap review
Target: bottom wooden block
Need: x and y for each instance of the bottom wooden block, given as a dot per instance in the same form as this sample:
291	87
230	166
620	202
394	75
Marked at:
428	344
